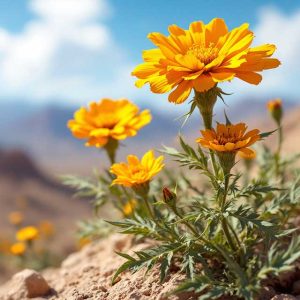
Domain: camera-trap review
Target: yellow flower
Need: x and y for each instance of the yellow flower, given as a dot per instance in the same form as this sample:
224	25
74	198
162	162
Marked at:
15	217
28	233
46	228
18	249
137	172
129	207
201	57
108	119
230	138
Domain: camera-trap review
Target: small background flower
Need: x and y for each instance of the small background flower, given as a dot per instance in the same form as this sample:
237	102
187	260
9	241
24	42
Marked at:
136	171
230	138
115	119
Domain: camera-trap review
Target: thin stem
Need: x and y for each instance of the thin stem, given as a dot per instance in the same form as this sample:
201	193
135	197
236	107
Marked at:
224	221
234	234
227	234
277	155
145	198
226	185
178	214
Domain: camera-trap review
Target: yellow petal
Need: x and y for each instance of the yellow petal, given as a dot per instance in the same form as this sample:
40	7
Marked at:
247	153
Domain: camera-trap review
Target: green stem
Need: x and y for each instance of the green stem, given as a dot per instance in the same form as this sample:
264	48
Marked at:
227	234
145	198
277	155
111	150
226	185
235	235
206	102
187	224
224	221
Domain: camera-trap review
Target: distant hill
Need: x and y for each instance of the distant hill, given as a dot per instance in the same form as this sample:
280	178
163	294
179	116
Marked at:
43	133
24	187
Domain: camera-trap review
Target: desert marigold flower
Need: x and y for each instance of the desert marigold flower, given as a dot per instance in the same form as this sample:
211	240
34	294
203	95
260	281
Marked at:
230	138
137	172
18	249
107	119
129	207
28	233
201	57
275	109
16	218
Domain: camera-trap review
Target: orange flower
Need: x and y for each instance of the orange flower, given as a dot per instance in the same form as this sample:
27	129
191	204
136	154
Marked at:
108	119
28	233
201	57
230	138
137	172
15	217
18	249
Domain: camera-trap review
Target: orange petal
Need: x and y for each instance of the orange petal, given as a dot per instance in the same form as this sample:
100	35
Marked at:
181	93
229	146
247	153
250	77
203	83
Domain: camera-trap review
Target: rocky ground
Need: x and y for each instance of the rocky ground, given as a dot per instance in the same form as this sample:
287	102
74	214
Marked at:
87	275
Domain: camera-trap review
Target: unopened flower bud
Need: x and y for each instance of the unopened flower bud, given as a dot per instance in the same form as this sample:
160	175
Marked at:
275	109
169	196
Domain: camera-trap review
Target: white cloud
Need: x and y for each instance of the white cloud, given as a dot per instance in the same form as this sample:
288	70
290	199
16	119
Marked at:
281	29
64	52
67	52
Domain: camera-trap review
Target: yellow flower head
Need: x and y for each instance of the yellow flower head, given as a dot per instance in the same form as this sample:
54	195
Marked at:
201	57
108	119
18	249
275	104
136	172
230	138
129	207
28	233
16	218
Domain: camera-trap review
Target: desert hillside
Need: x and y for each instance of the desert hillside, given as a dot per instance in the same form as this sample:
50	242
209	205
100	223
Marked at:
23	187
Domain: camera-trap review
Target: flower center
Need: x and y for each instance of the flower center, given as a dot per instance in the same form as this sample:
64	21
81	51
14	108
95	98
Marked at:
203	53
224	139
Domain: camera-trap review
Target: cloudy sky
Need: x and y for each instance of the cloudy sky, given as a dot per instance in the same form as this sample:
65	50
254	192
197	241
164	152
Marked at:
73	51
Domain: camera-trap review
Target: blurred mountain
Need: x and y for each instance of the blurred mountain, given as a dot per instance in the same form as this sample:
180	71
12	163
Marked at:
26	188
43	133
23	186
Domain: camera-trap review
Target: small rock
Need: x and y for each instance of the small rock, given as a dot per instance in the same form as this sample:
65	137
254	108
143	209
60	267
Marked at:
25	284
34	282
284	297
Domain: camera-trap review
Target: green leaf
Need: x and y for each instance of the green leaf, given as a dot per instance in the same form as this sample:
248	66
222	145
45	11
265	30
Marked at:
266	134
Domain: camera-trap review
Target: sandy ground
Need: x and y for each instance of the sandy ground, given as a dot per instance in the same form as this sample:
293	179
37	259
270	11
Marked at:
87	275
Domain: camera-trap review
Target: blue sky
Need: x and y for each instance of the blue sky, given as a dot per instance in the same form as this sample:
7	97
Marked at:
73	51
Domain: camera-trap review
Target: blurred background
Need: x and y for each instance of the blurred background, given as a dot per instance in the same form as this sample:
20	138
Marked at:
56	55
